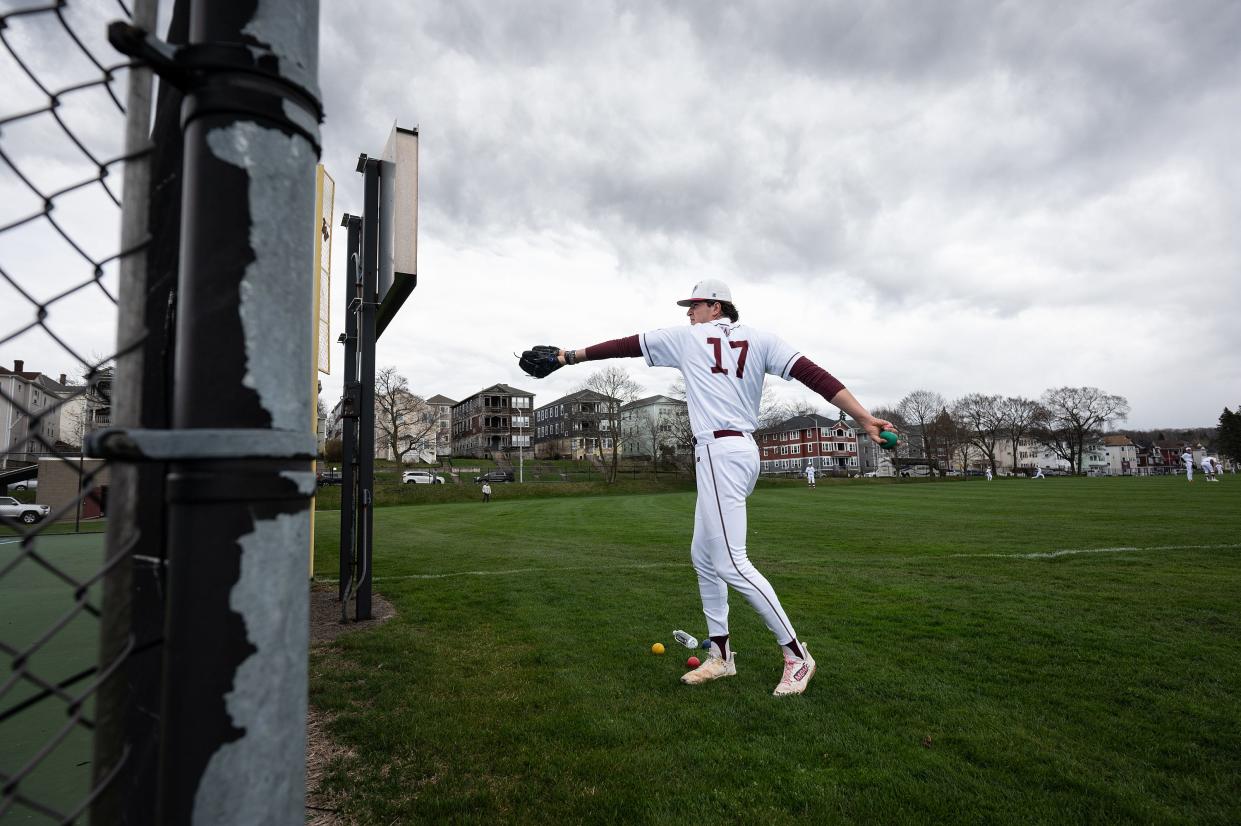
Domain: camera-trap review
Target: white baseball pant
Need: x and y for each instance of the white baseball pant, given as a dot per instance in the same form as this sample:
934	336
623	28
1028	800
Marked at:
727	470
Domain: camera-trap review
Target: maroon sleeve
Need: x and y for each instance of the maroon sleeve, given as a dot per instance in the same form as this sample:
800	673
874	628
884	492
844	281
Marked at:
615	349
816	378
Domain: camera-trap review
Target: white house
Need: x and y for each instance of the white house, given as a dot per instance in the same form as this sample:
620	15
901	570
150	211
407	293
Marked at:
1122	455
648	426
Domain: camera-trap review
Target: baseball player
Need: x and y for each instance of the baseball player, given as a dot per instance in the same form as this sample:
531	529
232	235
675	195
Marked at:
810	474
988	474
1188	459
1038	474
724	364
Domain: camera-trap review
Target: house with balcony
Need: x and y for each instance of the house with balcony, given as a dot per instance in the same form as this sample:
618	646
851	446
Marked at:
830	445
574	426
496	419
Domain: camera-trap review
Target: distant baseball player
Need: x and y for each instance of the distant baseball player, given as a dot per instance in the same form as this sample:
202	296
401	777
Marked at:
988	474
486	491
1188	459
724	364
1038	474
810	474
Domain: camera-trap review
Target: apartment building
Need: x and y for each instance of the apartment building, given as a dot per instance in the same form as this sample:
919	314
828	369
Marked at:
30	414
496	418
654	426
828	444
574	426
441	411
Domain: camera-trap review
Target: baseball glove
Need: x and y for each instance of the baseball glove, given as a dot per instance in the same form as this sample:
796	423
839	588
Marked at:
540	360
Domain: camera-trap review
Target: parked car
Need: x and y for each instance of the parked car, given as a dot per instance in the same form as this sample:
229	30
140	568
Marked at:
10	508
27	484
421	477
330	477
494	476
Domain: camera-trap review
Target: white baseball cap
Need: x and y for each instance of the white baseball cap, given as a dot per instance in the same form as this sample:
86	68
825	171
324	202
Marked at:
711	289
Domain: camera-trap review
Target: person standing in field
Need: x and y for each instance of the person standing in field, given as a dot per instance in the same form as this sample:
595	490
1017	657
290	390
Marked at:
1188	459
724	364
486	491
809	474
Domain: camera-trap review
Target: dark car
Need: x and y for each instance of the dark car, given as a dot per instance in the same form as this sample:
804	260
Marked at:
494	476
329	477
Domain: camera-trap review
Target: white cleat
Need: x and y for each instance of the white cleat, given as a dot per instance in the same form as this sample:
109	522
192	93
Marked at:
712	669
797	674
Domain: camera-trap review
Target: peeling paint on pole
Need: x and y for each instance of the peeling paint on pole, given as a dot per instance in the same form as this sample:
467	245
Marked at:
248	781
275	293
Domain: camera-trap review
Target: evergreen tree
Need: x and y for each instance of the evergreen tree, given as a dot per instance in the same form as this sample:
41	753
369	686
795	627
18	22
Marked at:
1228	439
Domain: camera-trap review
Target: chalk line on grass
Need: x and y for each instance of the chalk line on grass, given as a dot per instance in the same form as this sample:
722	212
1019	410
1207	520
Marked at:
1117	550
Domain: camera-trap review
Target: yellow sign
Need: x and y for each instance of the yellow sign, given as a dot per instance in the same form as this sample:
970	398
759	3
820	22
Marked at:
325	194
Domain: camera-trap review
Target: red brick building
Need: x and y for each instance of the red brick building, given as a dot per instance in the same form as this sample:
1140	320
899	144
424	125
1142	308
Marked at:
830	445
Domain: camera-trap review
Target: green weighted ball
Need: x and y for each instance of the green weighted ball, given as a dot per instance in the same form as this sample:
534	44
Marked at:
889	439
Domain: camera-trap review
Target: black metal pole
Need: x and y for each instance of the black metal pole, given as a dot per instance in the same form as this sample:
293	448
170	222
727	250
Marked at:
349	412
366	382
233	740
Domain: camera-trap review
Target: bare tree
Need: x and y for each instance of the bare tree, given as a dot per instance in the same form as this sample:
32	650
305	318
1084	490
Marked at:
1019	415
1074	414
403	419
644	430
919	410
618	388
772	411
682	431
803	407
983	418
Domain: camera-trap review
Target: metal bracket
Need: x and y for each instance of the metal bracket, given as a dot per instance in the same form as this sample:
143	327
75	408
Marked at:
199	445
224	77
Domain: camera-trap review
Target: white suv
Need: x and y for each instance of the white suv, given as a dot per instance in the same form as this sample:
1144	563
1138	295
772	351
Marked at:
421	477
10	508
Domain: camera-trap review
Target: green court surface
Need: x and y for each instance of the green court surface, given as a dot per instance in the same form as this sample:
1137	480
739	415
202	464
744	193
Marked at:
33	601
1018	651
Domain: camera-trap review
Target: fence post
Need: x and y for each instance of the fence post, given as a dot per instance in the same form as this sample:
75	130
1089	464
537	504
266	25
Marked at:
132	611
234	705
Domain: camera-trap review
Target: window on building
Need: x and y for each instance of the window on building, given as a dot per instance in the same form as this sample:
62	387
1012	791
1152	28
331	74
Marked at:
795	449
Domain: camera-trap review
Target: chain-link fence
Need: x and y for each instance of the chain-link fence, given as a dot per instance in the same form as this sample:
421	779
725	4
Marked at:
63	156
154	449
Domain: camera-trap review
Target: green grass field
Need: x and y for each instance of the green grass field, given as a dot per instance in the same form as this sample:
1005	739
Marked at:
1053	651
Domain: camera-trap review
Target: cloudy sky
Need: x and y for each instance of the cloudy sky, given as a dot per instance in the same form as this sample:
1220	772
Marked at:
963	197
959	196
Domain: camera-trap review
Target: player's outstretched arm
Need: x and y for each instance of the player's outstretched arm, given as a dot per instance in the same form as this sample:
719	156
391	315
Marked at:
830	388
544	359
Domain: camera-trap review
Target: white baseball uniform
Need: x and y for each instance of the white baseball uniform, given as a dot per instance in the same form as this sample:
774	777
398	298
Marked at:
1188	459
810	475
725	364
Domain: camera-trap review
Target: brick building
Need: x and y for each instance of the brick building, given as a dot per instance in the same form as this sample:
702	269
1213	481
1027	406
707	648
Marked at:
831	445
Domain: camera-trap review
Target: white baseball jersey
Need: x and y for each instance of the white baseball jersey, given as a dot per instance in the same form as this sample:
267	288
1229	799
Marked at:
725	364
1187	458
